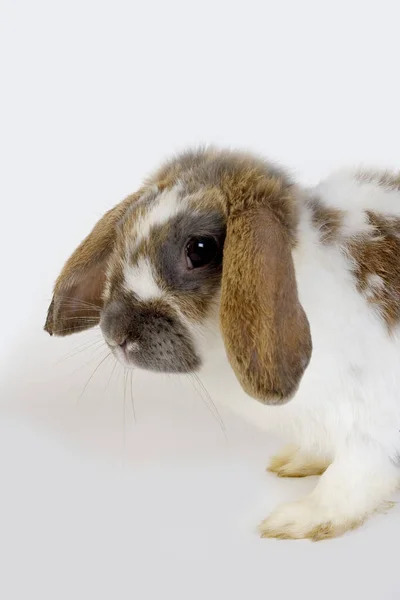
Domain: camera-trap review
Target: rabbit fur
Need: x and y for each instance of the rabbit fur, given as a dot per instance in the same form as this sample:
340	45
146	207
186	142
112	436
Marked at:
290	314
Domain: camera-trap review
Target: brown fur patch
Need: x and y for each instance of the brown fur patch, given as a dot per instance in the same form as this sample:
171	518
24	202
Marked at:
265	330
376	260
326	220
385	179
225	179
78	292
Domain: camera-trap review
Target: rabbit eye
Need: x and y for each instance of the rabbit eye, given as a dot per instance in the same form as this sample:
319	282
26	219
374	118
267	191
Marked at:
201	251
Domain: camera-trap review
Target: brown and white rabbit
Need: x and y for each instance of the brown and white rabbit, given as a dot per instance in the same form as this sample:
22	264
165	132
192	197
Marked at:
221	265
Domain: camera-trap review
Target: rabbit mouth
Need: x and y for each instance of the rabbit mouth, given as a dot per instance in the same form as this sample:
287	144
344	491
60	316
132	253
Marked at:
149	337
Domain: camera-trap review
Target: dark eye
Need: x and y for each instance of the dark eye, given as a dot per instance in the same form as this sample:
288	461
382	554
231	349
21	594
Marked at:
201	251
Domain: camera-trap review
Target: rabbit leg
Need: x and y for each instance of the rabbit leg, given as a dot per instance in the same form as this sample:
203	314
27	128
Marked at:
359	482
292	462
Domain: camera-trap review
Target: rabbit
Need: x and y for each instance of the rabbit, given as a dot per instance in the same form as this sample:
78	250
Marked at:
285	300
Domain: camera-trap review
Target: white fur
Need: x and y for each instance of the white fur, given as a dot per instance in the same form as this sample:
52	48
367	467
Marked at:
139	279
345	190
374	284
167	204
347	407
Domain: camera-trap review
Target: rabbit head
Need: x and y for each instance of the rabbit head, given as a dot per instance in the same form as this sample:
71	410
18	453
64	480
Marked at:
207	239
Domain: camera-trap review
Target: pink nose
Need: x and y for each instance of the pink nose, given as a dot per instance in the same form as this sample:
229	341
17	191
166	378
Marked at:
121	342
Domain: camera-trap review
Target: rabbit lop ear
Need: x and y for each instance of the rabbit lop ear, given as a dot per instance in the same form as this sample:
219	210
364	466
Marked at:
78	291
265	330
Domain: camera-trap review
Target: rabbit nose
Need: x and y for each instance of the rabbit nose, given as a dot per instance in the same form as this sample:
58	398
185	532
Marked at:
125	344
121	341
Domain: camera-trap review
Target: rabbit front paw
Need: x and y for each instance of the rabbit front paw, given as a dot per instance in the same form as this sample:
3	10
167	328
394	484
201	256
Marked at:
307	520
292	462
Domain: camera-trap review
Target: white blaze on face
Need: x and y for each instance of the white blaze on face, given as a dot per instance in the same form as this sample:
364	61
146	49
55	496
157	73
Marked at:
166	206
139	279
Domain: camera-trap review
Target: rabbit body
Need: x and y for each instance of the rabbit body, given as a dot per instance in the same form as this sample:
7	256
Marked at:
352	384
344	420
299	265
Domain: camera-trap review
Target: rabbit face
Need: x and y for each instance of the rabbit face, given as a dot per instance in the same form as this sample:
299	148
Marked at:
163	279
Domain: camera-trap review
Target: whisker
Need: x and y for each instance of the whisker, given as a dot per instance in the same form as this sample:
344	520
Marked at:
83	347
76	301
192	382
111	374
71	329
87	319
98	336
92	375
124	411
203	387
132	402
88	362
213	409
72	306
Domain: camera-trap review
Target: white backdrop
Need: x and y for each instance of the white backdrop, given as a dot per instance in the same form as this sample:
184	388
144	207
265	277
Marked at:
93	94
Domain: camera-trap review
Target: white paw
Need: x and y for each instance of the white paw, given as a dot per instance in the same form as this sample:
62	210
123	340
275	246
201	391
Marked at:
307	519
291	462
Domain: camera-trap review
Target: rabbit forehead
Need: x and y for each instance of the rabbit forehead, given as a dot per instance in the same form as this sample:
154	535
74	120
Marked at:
155	208
159	206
